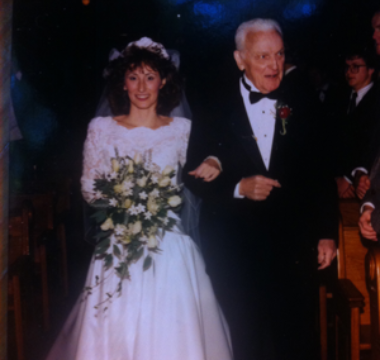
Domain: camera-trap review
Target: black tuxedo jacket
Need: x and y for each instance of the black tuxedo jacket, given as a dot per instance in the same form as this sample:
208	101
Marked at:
304	209
357	146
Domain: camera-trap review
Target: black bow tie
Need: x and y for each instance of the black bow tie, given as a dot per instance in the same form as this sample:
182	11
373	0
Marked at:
255	96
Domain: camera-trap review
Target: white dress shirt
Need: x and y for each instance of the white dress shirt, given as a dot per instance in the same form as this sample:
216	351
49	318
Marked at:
262	117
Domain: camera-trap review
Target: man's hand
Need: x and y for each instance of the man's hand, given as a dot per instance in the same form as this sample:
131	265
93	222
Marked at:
257	187
362	185
326	253
209	170
345	189
365	224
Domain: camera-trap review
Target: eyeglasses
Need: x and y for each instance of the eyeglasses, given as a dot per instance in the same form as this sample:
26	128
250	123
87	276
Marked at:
353	68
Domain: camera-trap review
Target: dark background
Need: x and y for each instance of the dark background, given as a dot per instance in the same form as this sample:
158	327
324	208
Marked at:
62	46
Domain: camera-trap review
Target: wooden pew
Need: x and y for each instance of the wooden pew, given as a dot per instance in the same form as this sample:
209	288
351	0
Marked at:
372	264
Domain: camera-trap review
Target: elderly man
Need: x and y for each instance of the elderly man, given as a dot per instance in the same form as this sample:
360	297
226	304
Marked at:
271	213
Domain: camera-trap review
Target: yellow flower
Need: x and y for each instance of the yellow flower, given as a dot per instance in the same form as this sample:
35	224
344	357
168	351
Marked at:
126	239
107	225
142	181
130	167
168	169
174	201
152	206
118	189
163	182
115	165
136	227
127	203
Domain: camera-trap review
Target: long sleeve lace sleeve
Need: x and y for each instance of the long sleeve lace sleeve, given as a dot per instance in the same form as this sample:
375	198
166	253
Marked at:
184	141
91	161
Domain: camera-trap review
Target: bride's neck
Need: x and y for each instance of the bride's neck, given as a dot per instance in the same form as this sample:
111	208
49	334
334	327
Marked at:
141	117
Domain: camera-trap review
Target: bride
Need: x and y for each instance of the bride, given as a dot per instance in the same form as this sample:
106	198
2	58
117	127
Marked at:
169	311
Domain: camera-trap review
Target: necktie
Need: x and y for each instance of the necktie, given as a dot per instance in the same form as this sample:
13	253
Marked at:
255	96
352	104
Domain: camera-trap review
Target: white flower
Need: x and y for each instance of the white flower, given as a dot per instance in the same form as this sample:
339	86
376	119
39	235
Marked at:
140	208
168	169
135	228
154	168
107	225
133	210
148	215
143	195
113	202
142	181
127	192
152	206
120	229
137	158
118	189
174	201
154	193
127	203
115	165
113	238
165	221
152	242
144	238
113	175
165	181
98	195
127	184
154	179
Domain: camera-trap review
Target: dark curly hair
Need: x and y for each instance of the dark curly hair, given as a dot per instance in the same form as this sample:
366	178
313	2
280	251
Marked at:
134	57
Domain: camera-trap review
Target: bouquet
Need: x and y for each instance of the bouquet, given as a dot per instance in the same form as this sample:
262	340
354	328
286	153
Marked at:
133	202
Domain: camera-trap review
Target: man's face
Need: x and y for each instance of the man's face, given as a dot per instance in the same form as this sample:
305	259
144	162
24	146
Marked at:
358	75
376	31
262	59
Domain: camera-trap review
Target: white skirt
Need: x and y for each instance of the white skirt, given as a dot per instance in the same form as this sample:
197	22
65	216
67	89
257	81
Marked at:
168	312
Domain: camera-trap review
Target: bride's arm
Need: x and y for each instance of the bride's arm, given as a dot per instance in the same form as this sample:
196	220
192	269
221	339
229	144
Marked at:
91	161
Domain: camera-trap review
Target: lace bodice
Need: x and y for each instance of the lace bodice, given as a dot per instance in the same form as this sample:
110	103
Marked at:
168	146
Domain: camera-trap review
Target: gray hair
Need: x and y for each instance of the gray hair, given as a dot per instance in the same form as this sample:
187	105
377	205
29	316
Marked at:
255	25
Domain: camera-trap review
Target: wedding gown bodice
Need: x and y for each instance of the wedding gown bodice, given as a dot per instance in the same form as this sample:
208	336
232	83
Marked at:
167	146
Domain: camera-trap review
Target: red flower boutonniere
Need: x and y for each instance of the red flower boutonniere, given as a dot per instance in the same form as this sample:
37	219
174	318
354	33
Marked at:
283	112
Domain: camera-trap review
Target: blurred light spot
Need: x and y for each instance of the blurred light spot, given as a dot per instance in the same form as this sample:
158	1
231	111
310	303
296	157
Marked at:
299	10
86	2
212	12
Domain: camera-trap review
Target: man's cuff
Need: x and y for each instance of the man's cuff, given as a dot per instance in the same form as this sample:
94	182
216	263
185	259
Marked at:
347	179
366	204
365	171
216	159
237	192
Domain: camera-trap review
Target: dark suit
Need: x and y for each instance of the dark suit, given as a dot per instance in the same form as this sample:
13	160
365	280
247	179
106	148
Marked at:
261	255
355	131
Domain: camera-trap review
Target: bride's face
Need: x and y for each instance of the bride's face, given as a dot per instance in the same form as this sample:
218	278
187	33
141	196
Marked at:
143	85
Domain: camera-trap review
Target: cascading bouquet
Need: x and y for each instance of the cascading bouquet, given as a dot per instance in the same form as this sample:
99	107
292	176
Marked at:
133	202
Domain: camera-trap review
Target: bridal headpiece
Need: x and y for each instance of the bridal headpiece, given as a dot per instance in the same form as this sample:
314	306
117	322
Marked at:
149	44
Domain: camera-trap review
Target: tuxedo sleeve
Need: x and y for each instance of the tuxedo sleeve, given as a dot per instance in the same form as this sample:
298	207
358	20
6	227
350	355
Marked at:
217	142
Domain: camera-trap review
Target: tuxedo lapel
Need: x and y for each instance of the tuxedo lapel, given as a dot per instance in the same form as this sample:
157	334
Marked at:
244	133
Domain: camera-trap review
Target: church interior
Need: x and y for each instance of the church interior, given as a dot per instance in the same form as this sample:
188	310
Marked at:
59	50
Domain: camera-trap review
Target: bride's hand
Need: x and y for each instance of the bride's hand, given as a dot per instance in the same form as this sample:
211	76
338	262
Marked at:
209	170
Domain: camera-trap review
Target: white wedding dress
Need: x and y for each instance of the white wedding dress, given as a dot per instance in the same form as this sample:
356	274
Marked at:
168	312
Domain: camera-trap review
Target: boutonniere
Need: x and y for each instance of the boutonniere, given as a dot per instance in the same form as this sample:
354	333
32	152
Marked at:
283	112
